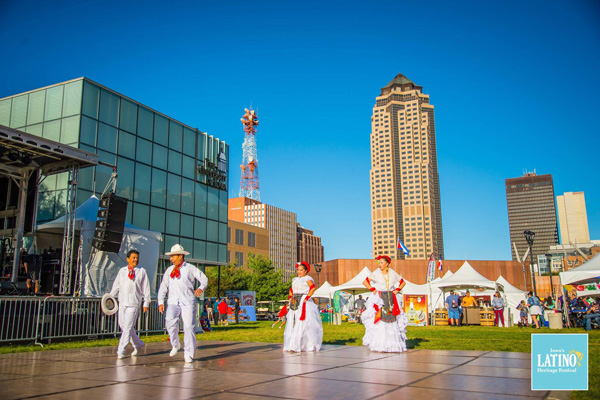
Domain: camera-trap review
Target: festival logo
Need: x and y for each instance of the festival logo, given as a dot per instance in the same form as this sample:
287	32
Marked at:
559	362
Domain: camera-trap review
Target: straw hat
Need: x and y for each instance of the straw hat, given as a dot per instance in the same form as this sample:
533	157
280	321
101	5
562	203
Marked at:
177	249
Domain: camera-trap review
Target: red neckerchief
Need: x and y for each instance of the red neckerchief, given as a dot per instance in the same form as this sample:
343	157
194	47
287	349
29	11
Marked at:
131	273
175	273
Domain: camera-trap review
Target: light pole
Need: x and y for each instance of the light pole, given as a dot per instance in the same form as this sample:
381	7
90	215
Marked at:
318	268
549	261
529	235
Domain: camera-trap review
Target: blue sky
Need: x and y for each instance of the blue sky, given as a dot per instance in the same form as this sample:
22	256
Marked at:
514	85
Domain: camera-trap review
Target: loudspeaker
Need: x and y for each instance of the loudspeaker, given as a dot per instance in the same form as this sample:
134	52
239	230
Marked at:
112	213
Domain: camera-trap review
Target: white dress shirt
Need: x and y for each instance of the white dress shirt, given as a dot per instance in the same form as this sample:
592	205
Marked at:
130	292
181	290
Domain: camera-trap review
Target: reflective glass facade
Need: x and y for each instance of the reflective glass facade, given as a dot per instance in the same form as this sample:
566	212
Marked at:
157	160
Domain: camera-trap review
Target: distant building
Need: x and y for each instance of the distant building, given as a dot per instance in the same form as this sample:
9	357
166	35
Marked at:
281	225
309	246
243	239
405	189
572	218
530	202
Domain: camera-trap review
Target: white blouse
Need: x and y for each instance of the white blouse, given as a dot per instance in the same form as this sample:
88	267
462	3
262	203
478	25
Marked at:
383	283
300	285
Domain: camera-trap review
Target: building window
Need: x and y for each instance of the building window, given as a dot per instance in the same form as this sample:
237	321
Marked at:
228	240
251	239
239	259
239	236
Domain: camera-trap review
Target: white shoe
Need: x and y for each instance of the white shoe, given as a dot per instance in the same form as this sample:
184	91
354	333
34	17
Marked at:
174	351
120	356
188	359
280	327
135	349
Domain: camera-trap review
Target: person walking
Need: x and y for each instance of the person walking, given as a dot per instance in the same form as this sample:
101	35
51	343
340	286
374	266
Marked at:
131	285
535	308
498	305
178	282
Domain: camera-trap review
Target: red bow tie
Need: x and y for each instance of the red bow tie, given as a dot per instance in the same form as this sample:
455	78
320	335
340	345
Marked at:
131	274
175	273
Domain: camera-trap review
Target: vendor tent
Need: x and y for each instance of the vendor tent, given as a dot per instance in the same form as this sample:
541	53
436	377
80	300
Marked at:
99	268
585	273
323	291
354	285
466	278
512	298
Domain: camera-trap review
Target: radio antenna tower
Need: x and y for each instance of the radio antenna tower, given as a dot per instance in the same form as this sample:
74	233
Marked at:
249	178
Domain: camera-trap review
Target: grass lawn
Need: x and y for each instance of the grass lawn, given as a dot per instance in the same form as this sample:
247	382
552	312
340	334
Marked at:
431	337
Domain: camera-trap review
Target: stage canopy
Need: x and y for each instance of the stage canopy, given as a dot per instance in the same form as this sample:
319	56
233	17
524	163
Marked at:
99	268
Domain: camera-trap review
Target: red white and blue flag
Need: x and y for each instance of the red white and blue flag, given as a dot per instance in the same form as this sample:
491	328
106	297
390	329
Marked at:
439	266
402	246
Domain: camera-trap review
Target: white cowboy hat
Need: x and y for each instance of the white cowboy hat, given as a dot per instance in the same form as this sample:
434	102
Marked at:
109	304
177	249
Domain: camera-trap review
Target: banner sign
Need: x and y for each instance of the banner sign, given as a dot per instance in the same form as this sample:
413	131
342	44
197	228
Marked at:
416	309
559	362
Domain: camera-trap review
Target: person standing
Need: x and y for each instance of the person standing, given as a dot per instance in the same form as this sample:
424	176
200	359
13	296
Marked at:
385	323
304	330
209	309
236	310
535	308
178	281
360	306
498	305
222	306
452	305
130	285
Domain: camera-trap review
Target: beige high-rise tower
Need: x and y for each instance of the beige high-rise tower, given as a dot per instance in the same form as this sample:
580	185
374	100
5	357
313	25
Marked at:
572	218
405	191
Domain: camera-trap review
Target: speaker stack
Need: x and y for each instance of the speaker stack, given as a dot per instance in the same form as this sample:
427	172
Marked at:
110	223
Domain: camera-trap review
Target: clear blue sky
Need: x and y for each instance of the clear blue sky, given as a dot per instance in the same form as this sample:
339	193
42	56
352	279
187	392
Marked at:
514	84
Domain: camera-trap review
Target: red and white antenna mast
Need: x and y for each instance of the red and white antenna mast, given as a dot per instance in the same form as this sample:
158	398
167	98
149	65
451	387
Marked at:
249	178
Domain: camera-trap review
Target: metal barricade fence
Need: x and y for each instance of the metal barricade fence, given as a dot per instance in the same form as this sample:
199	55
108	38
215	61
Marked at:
19	318
66	317
36	319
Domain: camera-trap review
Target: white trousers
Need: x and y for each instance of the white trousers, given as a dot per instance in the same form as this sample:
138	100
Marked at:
127	320
189	323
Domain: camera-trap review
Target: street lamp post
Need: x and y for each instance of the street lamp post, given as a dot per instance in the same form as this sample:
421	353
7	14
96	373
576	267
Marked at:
549	261
318	268
529	235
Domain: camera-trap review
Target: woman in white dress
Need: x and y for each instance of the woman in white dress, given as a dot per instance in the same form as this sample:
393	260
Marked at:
303	331
385	322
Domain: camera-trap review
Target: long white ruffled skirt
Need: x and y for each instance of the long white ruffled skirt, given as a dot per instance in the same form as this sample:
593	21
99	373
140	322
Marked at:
385	337
304	335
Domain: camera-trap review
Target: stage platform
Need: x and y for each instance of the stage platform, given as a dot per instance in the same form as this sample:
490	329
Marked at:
259	371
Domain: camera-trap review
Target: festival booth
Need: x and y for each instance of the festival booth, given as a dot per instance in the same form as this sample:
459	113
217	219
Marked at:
345	302
98	269
585	279
466	278
512	298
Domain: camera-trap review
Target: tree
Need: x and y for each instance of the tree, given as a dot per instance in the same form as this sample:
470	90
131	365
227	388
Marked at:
232	278
265	280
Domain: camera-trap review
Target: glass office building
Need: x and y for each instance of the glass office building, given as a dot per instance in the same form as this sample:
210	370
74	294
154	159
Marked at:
175	176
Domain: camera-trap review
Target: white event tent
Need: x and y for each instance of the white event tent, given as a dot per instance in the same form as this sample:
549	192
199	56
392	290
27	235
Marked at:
99	272
585	273
323	291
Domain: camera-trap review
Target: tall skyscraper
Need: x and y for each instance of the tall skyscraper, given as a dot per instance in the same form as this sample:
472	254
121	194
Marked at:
405	191
530	201
572	218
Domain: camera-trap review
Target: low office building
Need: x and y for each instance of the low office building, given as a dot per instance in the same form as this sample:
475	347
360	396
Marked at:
174	175
243	240
310	248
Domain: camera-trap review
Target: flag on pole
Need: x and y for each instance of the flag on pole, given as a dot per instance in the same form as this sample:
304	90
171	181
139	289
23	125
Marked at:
403	247
440	262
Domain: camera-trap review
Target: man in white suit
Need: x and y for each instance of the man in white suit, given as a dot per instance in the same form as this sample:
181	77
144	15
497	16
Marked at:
178	281
131	284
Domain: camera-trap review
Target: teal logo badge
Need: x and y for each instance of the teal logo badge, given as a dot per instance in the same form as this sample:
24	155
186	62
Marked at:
559	362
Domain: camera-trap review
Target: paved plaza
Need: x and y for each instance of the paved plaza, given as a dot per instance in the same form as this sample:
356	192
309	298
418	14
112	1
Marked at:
240	370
